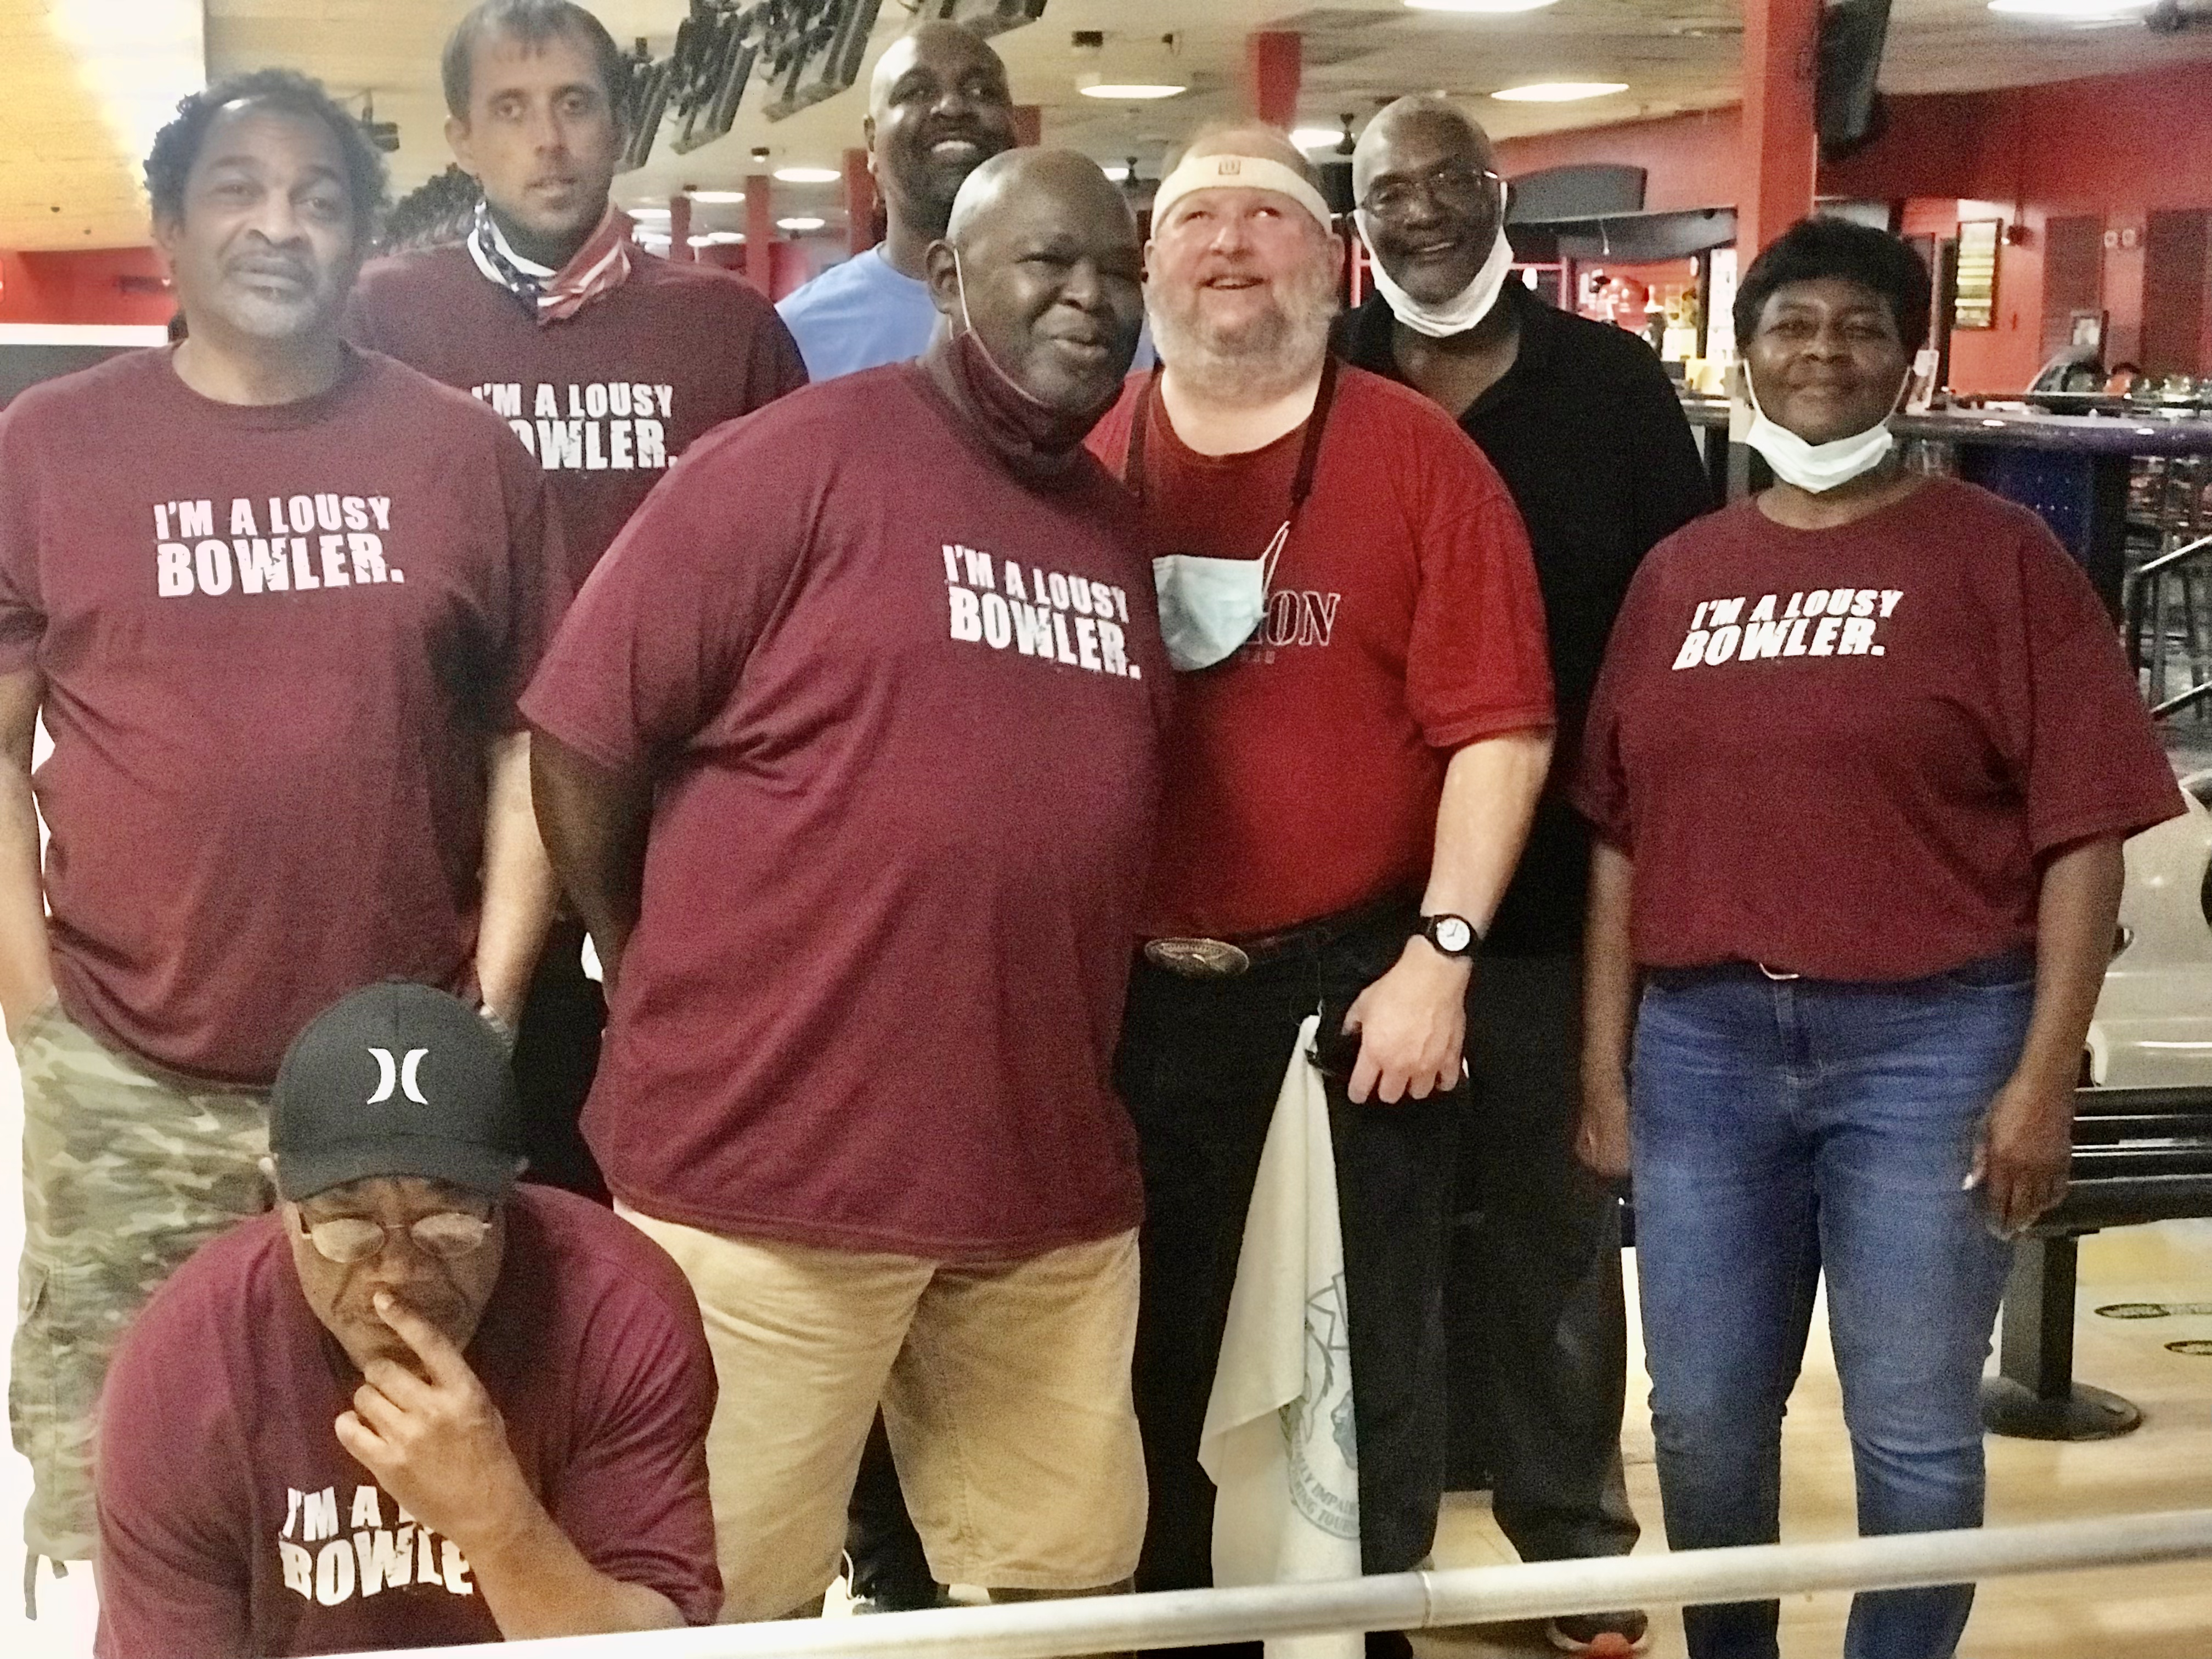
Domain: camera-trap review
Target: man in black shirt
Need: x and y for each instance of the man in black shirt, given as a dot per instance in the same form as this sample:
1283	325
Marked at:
1584	426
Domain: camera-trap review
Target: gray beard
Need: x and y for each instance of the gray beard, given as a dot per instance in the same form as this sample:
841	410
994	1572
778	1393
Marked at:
1271	359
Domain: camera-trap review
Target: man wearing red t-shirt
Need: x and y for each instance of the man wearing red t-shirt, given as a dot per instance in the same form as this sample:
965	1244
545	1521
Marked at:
416	1406
848	757
1361	730
606	362
274	598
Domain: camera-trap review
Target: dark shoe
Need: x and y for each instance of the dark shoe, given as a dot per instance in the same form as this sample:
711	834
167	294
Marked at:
1600	1635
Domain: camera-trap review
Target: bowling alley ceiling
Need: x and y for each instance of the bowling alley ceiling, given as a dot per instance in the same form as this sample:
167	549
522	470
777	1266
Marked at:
66	177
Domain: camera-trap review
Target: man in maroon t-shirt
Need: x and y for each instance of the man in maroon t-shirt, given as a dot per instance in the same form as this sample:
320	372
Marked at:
607	362
273	598
848	753
1361	730
416	1406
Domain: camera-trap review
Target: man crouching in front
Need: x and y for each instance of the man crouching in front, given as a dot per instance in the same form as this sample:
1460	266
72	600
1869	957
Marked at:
416	1405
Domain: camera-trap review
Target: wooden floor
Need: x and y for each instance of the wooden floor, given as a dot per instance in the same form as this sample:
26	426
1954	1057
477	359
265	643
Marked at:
2162	1612
2141	1613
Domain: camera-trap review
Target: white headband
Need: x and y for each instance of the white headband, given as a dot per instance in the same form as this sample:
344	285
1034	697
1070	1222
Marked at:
1197	173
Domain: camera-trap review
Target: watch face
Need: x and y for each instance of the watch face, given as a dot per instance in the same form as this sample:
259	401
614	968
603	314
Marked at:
1452	934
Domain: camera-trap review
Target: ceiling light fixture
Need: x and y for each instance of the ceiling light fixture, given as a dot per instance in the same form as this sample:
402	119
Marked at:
808	175
2080	11
717	197
1560	92
651	215
1127	91
802	222
1315	137
1481	5
1119	172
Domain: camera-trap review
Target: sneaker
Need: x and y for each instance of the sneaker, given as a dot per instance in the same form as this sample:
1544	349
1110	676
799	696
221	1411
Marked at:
1600	1635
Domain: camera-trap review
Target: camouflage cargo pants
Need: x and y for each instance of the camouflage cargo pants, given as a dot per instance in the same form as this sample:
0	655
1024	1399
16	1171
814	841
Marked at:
126	1173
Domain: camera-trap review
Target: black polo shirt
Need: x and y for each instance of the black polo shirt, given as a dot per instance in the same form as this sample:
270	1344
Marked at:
1587	433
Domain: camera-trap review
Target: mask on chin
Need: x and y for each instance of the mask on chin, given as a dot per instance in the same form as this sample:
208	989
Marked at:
1814	468
1455	315
1017	421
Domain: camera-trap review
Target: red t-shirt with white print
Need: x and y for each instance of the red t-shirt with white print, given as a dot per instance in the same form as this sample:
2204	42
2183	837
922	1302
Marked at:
1404	621
275	642
1841	752
232	1522
903	711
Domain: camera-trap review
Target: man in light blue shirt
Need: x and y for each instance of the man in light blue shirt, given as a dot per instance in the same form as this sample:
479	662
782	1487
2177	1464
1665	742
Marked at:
938	107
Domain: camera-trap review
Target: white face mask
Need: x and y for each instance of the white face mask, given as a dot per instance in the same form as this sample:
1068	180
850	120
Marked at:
1209	607
1455	315
1816	468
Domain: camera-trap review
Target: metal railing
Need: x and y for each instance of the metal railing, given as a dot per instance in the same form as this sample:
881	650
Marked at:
1414	1601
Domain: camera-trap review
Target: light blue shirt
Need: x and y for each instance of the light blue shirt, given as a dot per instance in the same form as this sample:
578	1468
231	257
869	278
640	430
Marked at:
863	313
857	315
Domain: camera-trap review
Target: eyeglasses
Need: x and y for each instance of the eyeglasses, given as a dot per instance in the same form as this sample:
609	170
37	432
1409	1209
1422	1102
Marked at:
1452	187
448	1234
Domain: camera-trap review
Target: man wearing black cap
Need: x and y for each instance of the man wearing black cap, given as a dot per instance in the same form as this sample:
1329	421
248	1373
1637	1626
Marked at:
416	1405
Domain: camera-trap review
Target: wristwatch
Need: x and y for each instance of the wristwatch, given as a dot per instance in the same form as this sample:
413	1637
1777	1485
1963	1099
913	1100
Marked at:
1453	936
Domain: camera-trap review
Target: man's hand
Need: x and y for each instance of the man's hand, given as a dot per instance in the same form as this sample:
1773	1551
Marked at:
1601	1132
438	1447
2020	1160
1411	1023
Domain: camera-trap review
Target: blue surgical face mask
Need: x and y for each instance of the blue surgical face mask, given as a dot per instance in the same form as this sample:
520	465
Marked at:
1209	607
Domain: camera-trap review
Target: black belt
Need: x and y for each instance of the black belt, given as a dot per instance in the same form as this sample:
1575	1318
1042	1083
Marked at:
1195	957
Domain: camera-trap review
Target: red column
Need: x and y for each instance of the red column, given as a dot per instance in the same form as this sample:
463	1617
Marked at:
860	202
679	226
760	234
1029	123
1781	158
1271	75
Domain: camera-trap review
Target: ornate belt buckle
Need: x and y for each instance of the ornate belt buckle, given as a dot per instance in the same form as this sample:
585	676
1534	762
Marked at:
1197	958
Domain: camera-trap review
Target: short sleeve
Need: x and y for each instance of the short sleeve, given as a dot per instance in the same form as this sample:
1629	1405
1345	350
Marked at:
2092	764
634	1498
653	647
538	574
1671	484
23	611
1476	663
776	366
173	1572
1598	787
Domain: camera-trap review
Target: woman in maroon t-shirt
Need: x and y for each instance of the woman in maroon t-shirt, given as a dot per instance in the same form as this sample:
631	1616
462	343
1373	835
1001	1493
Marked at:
1861	759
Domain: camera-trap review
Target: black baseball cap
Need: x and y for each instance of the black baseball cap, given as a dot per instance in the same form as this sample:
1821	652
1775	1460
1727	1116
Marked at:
398	1079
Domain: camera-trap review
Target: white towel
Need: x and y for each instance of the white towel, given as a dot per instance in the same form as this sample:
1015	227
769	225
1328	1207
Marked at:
1278	1440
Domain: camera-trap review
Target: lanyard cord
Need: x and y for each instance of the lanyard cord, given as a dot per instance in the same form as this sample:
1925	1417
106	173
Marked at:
1132	464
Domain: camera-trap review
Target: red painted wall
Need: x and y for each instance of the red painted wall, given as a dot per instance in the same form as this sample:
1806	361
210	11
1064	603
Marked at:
1690	160
2114	146
82	288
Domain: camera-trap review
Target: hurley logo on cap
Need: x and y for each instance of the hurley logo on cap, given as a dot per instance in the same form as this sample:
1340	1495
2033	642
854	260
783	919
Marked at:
403	1074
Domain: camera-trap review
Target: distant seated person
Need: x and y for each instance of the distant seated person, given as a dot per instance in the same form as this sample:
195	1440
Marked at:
2123	380
416	1405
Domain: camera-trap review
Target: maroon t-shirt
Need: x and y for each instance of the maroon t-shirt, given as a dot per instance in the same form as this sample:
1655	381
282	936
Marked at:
275	643
1404	622
903	712
1841	752
233	1523
606	399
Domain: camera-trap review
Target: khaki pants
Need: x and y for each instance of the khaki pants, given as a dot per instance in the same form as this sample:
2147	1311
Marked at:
1005	1389
125	1174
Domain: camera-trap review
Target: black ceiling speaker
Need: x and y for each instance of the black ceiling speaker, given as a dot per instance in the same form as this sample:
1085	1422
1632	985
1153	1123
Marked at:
1847	110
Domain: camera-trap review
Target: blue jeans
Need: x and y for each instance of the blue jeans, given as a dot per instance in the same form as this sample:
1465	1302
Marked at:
1785	1128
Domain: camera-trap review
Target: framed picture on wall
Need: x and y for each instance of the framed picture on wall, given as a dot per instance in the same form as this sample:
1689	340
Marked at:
2086	329
1975	301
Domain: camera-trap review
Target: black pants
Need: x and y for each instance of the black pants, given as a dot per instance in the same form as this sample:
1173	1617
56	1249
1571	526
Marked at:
1201	1065
1538	1331
557	1051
